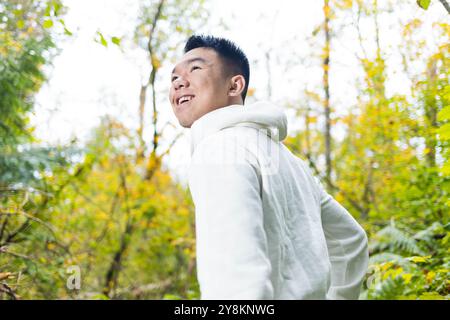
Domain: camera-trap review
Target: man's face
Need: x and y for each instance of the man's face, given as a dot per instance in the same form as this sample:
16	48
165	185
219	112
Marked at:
198	85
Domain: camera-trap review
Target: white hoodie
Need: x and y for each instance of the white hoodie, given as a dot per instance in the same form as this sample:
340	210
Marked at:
265	227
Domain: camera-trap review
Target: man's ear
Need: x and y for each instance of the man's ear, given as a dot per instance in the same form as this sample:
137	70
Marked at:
237	85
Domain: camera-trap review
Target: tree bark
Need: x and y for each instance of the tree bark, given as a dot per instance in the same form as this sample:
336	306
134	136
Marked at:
326	87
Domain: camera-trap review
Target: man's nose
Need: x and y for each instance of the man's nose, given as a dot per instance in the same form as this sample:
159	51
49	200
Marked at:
181	83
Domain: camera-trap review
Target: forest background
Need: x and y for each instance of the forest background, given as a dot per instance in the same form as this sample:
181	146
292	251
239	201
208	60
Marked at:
93	196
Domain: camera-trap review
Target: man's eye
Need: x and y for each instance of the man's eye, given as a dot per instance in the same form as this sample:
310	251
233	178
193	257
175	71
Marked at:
174	78
194	68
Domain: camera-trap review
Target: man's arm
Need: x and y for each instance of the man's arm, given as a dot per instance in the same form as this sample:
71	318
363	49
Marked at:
232	260
347	247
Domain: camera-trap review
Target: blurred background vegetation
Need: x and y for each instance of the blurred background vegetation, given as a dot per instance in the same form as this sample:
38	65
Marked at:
112	208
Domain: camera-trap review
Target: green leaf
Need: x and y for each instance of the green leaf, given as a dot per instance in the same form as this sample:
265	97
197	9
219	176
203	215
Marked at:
18	12
57	6
102	41
67	32
47	24
116	41
48	10
424	4
20	24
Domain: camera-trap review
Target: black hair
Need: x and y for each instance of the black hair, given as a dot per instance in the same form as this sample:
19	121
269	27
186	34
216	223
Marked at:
235	60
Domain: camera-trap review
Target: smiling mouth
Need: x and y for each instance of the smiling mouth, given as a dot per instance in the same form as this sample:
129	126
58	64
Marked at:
184	99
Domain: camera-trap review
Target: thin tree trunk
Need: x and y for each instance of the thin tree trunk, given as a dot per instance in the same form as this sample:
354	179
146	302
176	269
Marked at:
112	275
326	86
431	112
154	161
140	154
307	132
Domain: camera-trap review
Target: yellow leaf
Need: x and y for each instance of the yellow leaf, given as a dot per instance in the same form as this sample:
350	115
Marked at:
386	275
397	272
386	266
446	171
156	63
430	276
418	259
312	119
407	277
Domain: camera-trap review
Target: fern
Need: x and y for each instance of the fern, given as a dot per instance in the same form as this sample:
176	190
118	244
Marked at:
396	240
427	235
387	257
388	289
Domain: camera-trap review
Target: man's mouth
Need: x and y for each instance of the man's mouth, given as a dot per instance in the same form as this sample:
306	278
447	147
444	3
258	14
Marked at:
184	99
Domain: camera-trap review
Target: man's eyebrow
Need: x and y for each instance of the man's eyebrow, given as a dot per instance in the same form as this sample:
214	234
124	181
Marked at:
187	62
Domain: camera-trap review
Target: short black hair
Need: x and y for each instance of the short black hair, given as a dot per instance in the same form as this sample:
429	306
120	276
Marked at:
236	61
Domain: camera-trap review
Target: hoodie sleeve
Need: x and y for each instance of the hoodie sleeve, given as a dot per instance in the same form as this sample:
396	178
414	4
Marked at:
347	247
232	259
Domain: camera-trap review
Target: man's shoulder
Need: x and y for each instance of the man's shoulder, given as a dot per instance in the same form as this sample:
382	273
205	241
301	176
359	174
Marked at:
228	145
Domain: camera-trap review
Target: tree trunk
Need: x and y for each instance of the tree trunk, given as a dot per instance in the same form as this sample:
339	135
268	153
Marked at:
431	112
326	87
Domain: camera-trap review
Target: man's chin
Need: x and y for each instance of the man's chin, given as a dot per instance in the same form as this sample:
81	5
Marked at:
185	124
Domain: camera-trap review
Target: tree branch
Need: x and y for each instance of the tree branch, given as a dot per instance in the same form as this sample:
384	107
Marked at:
446	5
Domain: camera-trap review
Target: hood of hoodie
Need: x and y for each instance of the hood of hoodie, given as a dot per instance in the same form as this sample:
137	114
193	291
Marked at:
259	115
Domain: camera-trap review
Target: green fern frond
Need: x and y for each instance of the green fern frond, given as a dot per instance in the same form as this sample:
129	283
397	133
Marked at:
396	240
389	289
428	233
387	257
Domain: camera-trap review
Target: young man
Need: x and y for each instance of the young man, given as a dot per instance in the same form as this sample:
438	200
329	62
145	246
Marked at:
265	227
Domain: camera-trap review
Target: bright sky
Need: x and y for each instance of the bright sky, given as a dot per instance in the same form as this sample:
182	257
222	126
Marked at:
88	80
